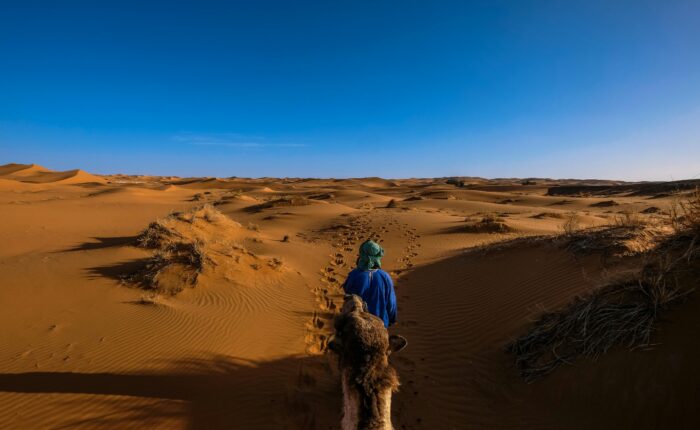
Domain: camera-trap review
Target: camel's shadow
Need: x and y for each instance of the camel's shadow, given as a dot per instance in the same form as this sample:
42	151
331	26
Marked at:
216	393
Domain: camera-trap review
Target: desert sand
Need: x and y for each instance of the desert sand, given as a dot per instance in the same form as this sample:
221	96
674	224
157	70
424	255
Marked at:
96	333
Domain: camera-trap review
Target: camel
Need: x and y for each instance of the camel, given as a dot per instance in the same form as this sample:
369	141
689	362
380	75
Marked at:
363	346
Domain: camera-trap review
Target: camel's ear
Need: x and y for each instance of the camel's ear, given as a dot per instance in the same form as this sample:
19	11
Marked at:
334	344
397	343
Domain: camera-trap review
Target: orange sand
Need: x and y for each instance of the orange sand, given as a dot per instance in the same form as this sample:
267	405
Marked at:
243	348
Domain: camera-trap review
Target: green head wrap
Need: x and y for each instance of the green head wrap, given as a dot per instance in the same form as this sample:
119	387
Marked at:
370	256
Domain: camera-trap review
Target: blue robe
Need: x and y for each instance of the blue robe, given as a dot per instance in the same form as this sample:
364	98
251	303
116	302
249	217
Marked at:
376	289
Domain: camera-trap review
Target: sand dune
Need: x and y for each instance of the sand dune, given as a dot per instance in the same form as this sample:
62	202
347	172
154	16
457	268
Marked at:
33	173
93	339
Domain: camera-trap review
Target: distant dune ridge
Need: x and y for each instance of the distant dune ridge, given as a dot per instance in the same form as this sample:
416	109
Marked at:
33	173
167	302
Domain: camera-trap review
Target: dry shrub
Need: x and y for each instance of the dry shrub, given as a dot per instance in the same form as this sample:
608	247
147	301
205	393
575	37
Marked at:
628	219
548	215
275	263
616	241
489	224
685	214
623	313
572	224
391	204
162	232
605	204
177	260
284	201
172	268
211	215
157	234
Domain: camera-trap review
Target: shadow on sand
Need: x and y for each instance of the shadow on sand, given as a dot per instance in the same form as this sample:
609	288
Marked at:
218	393
102	243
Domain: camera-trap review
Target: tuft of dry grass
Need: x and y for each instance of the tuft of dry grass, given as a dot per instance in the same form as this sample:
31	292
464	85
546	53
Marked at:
542	215
685	214
156	235
275	263
489	223
572	224
172	268
284	201
623	313
629	220
177	260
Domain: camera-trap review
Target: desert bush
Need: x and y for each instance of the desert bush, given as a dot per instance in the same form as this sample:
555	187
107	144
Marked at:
172	268
157	234
605	204
490	223
456	182
275	263
548	215
619	314
623	313
628	219
572	223
685	214
391	204
211	214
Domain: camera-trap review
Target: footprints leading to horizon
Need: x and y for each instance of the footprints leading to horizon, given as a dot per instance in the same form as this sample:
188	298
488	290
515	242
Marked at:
345	238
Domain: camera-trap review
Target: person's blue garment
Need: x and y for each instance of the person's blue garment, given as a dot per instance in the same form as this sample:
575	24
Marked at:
376	289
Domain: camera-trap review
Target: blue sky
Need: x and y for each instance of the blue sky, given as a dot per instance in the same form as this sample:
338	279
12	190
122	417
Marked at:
594	89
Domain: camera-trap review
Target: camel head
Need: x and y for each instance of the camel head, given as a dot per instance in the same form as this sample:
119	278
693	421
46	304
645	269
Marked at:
363	346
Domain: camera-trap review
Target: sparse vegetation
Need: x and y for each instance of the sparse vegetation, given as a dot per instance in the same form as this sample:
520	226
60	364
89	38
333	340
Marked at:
572	224
178	258
685	214
283	201
628	219
548	215
275	263
623	313
490	223
456	182
605	204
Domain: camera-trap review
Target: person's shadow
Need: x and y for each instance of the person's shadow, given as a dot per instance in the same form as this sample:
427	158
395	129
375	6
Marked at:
217	393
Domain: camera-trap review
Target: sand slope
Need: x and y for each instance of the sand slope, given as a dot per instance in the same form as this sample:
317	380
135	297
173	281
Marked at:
33	173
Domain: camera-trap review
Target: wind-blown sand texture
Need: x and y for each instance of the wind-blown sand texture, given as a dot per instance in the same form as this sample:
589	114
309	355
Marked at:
87	343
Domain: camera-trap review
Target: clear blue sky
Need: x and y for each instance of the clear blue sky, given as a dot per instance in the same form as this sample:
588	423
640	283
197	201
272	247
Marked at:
606	89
